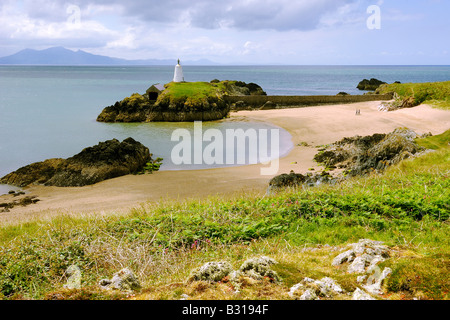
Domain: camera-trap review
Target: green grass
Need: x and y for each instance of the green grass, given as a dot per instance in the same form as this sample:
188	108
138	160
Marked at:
192	93
406	207
195	90
436	142
436	94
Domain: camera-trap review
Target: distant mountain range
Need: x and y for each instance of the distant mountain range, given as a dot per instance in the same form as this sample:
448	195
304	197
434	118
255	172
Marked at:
59	56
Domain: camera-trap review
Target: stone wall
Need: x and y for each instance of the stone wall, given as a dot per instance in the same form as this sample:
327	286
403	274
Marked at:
286	101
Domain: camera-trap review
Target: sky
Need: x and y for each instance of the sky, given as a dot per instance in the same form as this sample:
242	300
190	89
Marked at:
289	32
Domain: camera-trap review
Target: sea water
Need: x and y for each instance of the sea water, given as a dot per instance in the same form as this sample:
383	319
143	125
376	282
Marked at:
49	112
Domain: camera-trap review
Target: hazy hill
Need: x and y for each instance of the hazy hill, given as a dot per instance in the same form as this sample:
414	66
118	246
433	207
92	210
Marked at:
63	56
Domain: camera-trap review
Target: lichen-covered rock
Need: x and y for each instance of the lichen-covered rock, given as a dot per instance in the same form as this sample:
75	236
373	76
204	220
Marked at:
310	289
346	256
358	265
211	271
309	295
103	161
259	268
124	280
74	277
375	281
359	294
328	287
362	256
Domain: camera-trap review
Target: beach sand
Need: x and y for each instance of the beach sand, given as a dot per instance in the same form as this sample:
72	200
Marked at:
314	125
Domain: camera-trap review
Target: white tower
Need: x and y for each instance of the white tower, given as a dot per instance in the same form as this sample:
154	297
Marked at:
178	74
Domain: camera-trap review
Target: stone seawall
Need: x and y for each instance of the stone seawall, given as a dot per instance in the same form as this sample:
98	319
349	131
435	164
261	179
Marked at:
286	101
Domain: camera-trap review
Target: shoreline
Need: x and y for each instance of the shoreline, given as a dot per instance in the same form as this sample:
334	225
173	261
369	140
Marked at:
316	126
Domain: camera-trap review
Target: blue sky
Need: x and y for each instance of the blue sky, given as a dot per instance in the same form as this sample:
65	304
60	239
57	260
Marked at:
301	32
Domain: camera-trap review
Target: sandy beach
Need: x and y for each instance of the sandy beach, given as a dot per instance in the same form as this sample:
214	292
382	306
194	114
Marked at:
313	125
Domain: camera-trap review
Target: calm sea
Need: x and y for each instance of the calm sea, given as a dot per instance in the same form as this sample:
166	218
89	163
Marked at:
48	112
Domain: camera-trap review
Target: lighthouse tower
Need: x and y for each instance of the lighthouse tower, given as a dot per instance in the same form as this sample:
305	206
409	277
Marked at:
178	74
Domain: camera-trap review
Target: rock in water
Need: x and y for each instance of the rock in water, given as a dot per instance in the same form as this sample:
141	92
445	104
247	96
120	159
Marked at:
106	160
180	102
370	85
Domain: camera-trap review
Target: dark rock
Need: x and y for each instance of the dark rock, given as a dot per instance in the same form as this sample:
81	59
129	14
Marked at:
22	202
35	173
370	85
106	160
343	94
362	155
294	180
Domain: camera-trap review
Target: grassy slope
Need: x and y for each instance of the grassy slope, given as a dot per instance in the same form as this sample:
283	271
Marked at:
436	94
191	93
407	207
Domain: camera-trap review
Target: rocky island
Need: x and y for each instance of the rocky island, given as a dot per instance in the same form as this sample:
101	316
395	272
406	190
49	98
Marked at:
370	85
179	101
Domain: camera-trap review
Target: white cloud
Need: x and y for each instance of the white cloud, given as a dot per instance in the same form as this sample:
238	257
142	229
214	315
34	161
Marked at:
261	31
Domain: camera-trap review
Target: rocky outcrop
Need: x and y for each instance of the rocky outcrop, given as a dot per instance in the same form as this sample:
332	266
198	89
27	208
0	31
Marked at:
370	85
294	180
200	102
356	155
254	270
310	289
240	88
397	104
359	294
211	271
362	256
21	200
124	280
259	268
106	160
361	155
143	110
